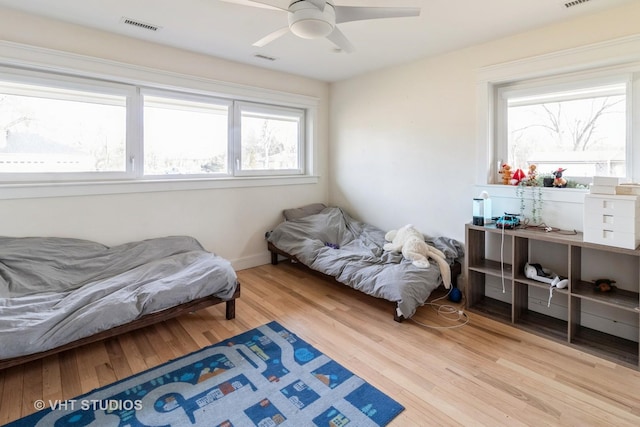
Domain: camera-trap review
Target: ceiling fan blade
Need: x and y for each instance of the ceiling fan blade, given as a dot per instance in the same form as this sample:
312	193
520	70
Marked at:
355	13
340	40
266	4
271	37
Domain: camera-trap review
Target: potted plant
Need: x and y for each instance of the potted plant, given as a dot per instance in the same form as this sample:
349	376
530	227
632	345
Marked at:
535	195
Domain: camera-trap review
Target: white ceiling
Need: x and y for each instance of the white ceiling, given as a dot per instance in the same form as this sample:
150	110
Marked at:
227	30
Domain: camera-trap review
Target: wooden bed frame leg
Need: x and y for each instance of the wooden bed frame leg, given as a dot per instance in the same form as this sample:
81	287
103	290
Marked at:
274	258
231	309
397	317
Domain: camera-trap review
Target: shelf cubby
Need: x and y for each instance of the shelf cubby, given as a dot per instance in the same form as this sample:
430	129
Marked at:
619	298
493	268
568	315
493	308
607	346
542	324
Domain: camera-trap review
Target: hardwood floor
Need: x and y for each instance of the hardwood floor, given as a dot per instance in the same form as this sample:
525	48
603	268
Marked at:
484	373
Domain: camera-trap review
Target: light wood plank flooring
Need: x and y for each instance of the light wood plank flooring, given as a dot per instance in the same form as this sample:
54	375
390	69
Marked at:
484	373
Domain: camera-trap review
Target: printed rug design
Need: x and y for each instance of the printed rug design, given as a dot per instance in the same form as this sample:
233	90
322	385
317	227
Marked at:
264	377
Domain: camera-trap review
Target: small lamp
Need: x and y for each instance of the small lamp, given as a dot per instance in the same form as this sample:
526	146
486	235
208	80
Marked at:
482	209
478	211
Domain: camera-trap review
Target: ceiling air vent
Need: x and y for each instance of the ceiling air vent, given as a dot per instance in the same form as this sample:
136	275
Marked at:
574	3
139	24
265	57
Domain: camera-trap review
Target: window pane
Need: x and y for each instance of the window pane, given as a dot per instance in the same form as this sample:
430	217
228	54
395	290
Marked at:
44	130
582	131
184	137
270	142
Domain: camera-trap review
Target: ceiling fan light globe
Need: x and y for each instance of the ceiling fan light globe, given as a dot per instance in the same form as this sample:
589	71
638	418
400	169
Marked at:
311	28
309	22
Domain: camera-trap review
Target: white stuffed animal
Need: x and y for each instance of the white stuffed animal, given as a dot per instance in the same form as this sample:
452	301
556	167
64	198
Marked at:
410	242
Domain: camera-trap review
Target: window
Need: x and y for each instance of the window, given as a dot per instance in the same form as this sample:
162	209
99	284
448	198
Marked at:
580	126
267	141
587	74
49	127
58	128
185	136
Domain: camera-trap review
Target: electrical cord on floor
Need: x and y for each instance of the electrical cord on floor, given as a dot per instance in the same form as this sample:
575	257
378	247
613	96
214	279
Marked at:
447	311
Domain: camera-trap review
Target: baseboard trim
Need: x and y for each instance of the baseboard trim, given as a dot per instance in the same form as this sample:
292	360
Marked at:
251	261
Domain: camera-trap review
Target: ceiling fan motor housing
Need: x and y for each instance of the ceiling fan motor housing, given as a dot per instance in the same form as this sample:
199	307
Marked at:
309	22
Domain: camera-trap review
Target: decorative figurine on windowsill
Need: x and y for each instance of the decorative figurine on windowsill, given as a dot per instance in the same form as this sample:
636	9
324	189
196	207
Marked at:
559	181
604	285
518	177
506	173
532	176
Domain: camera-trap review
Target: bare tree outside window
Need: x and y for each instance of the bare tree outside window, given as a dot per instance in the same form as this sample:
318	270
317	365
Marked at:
580	131
269	143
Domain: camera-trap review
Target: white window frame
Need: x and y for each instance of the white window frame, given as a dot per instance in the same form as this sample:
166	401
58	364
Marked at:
27	58
186	97
617	56
243	106
57	81
561	83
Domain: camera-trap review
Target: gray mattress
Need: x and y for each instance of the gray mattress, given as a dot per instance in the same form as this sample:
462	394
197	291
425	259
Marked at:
56	290
359	260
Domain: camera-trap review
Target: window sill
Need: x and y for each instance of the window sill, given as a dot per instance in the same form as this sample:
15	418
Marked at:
69	189
567	195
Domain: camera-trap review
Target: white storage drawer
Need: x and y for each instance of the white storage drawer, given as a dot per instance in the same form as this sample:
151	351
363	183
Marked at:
627	224
612	220
611	238
595	204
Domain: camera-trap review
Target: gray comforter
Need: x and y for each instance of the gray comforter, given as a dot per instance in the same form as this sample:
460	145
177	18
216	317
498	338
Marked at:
56	290
351	251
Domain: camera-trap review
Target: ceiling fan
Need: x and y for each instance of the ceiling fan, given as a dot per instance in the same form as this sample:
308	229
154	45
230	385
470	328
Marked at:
313	19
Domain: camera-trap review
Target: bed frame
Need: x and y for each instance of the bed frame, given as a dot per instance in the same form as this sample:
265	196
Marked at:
147	320
456	270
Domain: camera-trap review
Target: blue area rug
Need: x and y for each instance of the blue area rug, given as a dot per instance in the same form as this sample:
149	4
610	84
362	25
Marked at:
264	377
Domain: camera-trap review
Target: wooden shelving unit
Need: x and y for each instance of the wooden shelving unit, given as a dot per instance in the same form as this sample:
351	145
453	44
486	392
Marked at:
568	326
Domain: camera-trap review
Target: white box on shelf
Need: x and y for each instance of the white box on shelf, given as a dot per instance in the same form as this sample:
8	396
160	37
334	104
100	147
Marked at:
602	189
612	220
628	189
606	180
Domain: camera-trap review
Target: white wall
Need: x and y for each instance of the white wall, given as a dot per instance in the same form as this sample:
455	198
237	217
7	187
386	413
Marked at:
403	141
230	222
